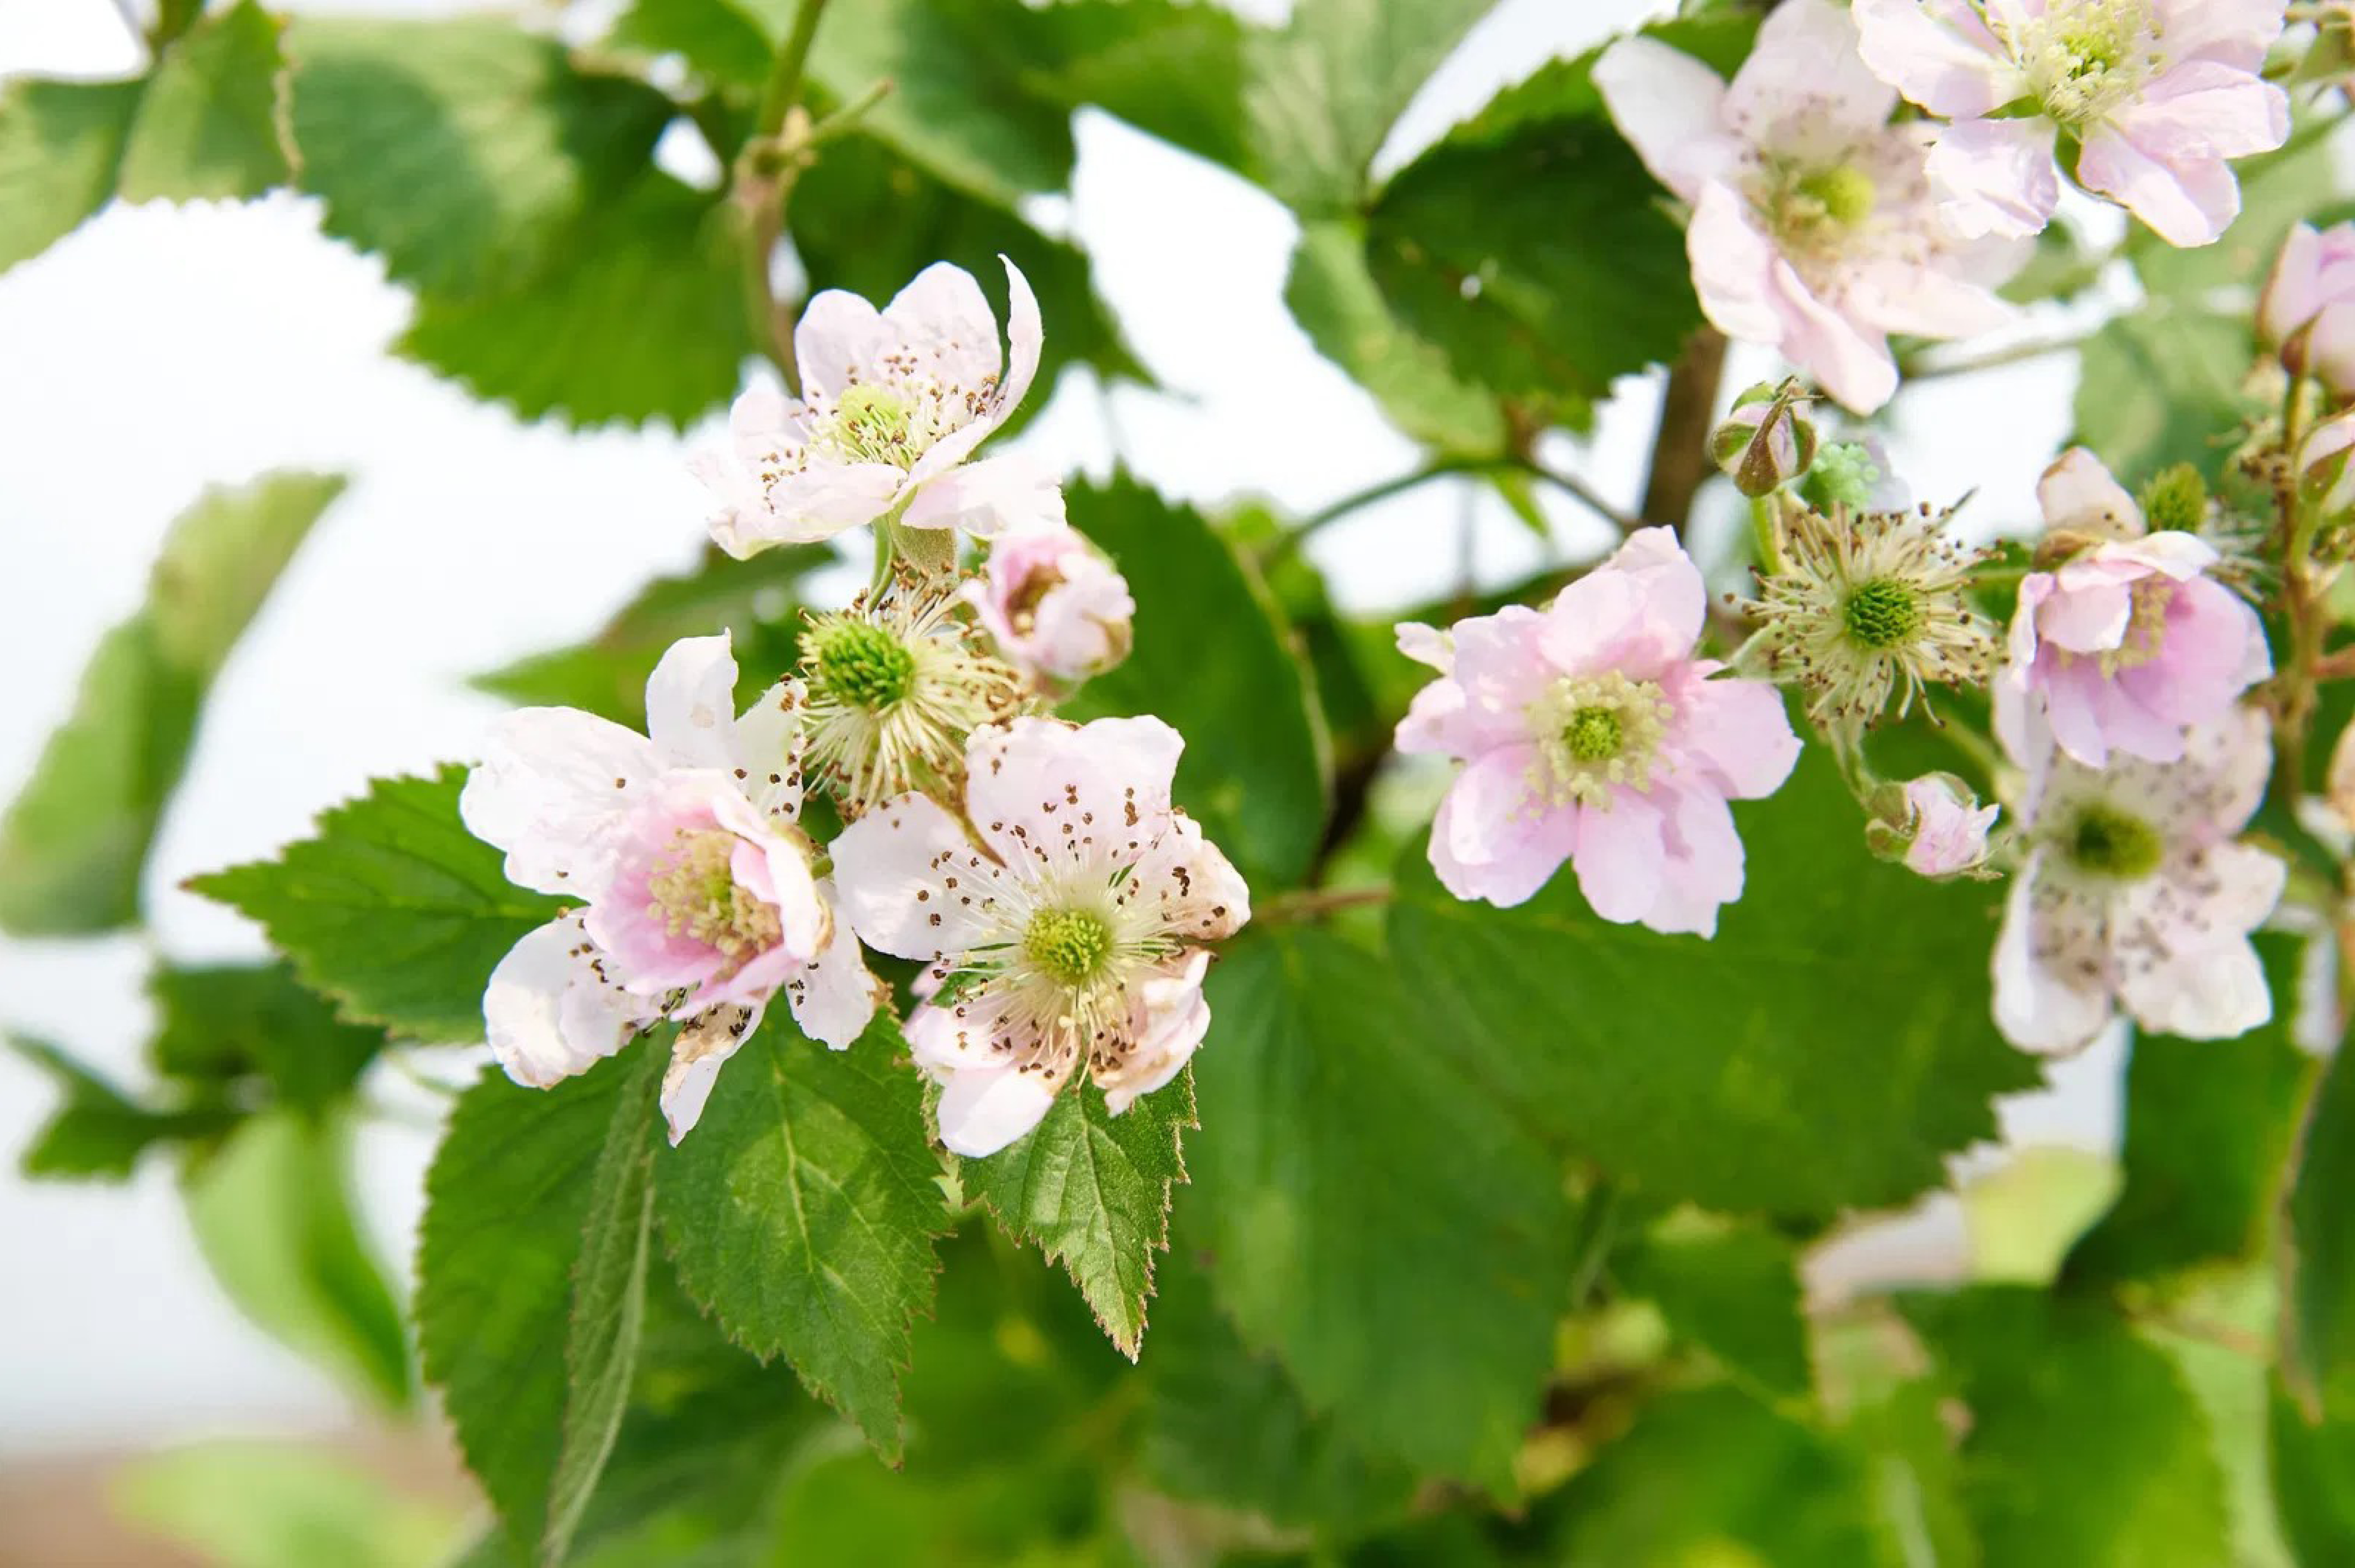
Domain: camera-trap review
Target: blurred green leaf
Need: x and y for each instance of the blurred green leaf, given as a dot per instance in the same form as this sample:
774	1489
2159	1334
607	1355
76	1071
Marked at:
1092	1190
393	910
531	1264
461	150
1383	1227
271	1211
60	145
209	123
802	1212
2162	386
2318	1348
2085	1445
218	1025
98	1132
281	1504
1799	1080
2313	1472
1171	68
1255	769
1733	1289
74	844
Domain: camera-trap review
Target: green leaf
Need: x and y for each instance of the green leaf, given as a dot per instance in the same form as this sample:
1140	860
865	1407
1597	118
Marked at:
1526	246
393	910
1733	1290
756	602
1334	298
720	40
1092	1190
803	1209
74	844
1804	1078
218	1025
531	1248
2313	1463
60	144
97	1131
1255	769
273	1214
2164	385
1708	1476
276	1505
209	126
2210	1126
2085	1445
639	317
1323	93
2319	1346
1377	1221
460	150
1171	68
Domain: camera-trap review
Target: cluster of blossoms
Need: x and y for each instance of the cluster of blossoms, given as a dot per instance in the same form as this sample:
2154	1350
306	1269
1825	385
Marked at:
1062	904
1819	226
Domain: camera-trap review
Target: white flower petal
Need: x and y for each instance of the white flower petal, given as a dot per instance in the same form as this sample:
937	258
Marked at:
546	1012
553	790
891	868
691	703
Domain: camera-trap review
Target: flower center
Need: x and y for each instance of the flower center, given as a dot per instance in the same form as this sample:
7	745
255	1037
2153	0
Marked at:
1022	605
1068	946
2085	56
1594	732
2108	841
862	664
695	895
1843	195
1881	614
874	424
2145	625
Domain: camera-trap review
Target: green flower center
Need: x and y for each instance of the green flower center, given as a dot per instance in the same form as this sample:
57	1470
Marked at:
2083	56
1068	946
1881	614
861	663
695	894
1593	735
1844	195
2111	842
871	425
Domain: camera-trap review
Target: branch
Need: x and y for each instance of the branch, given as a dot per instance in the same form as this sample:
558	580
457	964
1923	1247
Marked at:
1578	490
1680	459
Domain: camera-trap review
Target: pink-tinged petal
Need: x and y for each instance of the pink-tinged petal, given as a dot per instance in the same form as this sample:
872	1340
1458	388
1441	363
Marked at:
2187	203
2090	619
1949	828
2039	1008
1172	1017
553	790
1850	359
2169	553
1805	87
1904	296
2071	708
1939	53
691	703
2293	292
546	1012
984	1109
2212	651
2079	493
1492	840
763	420
998	496
839	339
2236	33
1639	612
1026	337
1734	267
1028	781
1740	732
1995	177
889	867
815	504
1621	856
2130	725
1426	645
942	320
1669	106
833	996
2204	109
1705	862
705	1044
1440	722
2330	347
1499	662
769	743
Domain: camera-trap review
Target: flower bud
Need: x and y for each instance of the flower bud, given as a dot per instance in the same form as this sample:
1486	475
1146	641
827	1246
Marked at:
1934	826
1764	443
2307	313
2175	498
2326	464
1058	608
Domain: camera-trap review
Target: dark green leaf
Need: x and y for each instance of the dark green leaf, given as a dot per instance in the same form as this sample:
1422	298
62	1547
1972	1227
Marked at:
2085	1445
462	150
1731	1290
273	1214
98	1132
1173	68
393	910
1840	1051
802	1211
527	1234
1255	769
1092	1190
74	844
1402	1244
2210	1125
60	144
2318	1347
2313	1466
209	126
2163	386
220	1024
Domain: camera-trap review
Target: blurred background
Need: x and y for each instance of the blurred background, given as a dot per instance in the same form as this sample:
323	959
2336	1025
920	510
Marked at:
161	348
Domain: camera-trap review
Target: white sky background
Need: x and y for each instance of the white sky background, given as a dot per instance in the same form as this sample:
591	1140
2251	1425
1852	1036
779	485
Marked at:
161	349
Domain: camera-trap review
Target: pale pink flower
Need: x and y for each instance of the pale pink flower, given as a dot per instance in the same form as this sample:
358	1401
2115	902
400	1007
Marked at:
695	895
1064	931
2157	94
893	404
1590	733
2308	310
1058	610
1949	827
2133	893
1812	225
2130	642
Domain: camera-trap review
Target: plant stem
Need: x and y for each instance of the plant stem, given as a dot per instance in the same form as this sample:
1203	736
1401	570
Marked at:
784	91
2293	694
765	171
1680	459
1577	489
1297	908
2015	354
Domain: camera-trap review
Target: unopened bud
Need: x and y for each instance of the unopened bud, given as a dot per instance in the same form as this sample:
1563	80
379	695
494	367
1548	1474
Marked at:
2307	311
2326	464
2176	498
1934	826
1764	442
